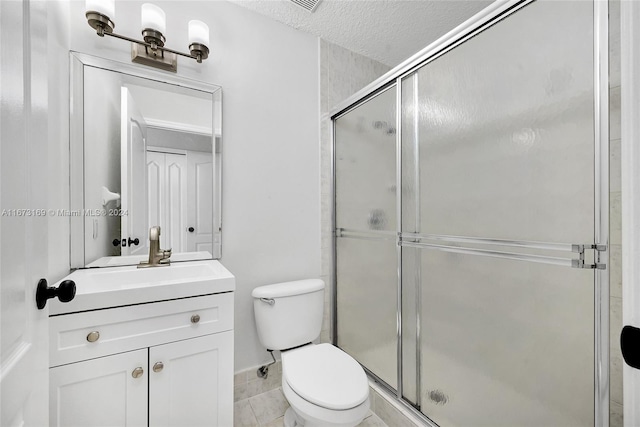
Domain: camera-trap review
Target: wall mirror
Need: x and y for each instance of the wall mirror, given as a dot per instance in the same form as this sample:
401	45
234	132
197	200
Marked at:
145	150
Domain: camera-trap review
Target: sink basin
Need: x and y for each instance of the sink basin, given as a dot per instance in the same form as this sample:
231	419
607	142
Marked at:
98	288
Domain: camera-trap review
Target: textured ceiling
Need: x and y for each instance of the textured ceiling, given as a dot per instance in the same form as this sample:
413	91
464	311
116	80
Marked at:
388	31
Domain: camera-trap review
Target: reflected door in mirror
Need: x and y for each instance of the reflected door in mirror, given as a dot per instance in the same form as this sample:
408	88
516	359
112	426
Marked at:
167	180
133	223
200	210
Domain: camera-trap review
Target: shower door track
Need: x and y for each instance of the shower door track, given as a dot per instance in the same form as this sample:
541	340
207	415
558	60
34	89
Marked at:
491	15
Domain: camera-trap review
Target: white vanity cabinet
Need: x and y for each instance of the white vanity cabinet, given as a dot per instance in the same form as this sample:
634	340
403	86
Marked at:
167	363
100	392
189	388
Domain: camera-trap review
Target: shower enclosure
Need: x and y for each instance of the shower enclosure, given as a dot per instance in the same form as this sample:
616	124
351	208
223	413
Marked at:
471	221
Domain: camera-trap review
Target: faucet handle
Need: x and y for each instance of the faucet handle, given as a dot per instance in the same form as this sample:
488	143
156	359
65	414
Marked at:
165	254
154	232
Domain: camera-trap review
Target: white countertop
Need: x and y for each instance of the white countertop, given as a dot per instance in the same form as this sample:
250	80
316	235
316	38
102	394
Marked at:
98	288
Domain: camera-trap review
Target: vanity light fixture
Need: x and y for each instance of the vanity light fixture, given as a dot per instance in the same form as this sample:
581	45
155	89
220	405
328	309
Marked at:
149	51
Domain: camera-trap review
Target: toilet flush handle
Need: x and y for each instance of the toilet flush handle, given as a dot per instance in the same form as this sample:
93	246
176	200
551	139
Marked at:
269	301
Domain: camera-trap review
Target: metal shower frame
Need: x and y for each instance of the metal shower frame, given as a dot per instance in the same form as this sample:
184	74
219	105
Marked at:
483	20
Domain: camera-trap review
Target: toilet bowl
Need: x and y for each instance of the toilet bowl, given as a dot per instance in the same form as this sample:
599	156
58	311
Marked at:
323	384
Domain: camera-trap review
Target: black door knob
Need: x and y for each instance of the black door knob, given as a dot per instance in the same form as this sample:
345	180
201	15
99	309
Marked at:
630	346
116	242
135	241
191	229
65	292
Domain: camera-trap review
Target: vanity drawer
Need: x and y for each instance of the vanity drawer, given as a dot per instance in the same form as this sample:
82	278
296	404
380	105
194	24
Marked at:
91	334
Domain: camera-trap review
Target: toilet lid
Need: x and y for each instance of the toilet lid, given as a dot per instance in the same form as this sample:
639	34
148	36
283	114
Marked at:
325	376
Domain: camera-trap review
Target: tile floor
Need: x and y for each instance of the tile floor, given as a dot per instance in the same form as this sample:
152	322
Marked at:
267	410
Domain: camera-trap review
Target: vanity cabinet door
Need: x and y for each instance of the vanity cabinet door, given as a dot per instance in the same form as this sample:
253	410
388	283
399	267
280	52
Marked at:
108	391
191	382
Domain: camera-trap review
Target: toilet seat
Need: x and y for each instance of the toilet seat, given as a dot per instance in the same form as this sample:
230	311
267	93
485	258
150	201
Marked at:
325	376
317	416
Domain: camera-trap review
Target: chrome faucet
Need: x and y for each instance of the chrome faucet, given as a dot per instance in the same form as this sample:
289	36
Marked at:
157	257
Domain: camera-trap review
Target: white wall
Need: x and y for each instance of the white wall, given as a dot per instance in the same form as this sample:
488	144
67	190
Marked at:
185	108
271	195
102	132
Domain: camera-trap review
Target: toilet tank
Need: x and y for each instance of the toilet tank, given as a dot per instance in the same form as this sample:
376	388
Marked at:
289	314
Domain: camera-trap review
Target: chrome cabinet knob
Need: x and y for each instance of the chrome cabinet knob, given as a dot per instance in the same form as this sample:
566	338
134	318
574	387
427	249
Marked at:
93	336
137	373
195	318
158	366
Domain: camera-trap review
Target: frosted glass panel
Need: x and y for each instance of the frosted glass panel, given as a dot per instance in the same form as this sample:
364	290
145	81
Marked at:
367	304
505	343
410	154
411	284
366	165
506	130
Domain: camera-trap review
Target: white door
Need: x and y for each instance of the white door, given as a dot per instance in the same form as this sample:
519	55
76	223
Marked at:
200	204
108	391
630	74
155	191
191	382
133	175
23	231
176	190
167	188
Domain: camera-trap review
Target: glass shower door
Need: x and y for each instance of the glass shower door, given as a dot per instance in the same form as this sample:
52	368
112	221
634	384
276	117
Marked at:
366	223
498	196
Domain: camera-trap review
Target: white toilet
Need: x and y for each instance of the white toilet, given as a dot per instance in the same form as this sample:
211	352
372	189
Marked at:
324	385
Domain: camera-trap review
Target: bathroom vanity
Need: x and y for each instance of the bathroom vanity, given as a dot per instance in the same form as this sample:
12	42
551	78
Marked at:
140	347
143	346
